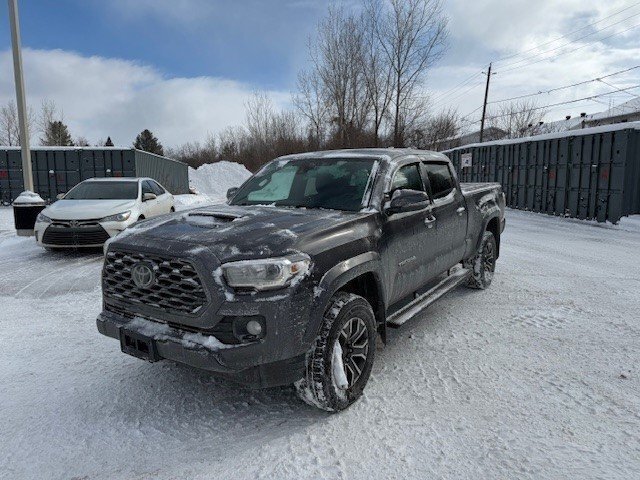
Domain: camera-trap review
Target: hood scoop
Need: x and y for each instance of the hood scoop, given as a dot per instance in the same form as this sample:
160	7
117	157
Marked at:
206	219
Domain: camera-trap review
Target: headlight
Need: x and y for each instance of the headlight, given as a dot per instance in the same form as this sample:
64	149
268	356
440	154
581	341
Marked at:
42	218
119	217
266	274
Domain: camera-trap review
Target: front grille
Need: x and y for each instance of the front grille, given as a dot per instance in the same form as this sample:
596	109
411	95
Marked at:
176	288
63	234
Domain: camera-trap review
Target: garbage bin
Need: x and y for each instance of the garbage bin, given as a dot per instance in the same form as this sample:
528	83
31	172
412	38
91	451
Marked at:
25	211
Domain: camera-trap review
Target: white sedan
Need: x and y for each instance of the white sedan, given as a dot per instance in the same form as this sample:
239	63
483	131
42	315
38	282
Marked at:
99	208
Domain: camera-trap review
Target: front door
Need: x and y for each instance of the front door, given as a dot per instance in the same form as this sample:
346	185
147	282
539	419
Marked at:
408	240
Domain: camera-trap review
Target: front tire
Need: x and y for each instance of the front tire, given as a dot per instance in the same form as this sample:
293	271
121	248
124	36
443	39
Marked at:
339	363
483	264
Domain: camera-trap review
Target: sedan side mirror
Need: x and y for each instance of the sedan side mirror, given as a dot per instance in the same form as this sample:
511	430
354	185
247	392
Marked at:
406	200
148	196
231	192
60	196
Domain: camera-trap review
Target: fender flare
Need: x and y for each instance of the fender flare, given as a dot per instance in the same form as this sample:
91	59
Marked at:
334	279
493	212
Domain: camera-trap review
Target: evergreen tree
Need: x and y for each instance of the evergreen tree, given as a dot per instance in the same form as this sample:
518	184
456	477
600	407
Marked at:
57	134
108	143
147	142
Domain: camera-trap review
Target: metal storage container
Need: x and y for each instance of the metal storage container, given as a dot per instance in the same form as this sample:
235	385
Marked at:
58	169
589	174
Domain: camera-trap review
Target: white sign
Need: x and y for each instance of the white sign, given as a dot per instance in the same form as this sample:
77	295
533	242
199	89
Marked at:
465	160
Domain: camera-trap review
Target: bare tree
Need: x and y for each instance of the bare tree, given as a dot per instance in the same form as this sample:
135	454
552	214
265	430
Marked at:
438	132
9	126
49	113
81	141
310	101
412	34
518	119
376	69
336	58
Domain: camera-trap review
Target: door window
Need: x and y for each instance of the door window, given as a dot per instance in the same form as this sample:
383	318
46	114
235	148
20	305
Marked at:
146	187
157	189
440	179
407	178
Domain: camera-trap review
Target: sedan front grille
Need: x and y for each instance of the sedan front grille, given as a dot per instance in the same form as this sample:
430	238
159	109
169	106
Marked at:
175	288
81	235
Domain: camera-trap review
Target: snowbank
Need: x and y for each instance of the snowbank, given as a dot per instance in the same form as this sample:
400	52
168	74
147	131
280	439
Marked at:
214	179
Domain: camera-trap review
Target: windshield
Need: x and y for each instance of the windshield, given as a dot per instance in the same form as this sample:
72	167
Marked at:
311	183
103	191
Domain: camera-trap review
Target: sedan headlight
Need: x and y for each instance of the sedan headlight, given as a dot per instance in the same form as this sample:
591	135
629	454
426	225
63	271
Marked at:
42	218
266	274
118	217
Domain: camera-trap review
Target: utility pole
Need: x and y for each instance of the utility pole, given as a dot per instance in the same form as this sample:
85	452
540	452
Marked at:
20	95
484	106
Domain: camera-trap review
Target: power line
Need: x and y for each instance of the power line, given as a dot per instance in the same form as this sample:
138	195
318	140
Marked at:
569	51
566	86
440	96
461	94
567	34
617	88
552	105
571	42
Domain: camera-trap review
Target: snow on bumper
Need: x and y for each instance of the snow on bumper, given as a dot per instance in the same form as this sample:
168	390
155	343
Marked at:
241	363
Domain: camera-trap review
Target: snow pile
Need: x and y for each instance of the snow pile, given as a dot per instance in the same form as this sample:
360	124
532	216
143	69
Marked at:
214	179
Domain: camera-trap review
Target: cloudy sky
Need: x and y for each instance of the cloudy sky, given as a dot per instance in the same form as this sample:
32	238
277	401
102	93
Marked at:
184	68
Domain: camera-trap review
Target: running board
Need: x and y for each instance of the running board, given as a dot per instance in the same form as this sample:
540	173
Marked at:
423	301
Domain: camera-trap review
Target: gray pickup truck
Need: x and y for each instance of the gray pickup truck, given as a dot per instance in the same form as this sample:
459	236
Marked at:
295	278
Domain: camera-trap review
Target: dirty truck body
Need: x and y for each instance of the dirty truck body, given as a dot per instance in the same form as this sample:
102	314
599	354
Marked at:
273	288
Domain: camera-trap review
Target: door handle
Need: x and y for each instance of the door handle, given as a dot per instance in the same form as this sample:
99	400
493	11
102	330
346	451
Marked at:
429	221
460	210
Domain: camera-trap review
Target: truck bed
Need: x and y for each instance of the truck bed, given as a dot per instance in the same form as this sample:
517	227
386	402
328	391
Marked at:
476	187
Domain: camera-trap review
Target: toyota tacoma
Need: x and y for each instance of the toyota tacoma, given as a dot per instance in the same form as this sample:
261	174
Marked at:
298	275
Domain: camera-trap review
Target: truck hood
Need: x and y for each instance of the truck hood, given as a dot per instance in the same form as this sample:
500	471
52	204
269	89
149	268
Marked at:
243	232
86	209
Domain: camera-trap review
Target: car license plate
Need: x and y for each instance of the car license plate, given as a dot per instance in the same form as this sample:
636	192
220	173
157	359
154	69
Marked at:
138	345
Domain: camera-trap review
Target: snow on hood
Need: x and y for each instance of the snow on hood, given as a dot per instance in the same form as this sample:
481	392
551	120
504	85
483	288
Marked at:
86	209
241	232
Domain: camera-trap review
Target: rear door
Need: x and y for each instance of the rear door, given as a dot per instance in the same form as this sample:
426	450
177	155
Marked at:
449	210
408	239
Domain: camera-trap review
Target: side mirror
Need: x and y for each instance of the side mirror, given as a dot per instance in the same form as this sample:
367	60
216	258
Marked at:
231	192
148	196
407	201
60	196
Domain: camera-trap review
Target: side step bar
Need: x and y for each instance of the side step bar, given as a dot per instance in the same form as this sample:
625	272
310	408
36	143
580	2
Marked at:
423	301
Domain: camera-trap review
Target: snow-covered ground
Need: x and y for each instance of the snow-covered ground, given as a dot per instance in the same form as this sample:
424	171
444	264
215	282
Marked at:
536	378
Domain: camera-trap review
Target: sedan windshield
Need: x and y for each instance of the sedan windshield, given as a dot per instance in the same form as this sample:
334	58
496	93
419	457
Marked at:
311	183
103	191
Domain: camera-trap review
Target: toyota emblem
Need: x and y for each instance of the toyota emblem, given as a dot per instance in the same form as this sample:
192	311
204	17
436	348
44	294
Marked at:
142	275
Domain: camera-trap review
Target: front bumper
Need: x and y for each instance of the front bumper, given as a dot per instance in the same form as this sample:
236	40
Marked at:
239	363
53	235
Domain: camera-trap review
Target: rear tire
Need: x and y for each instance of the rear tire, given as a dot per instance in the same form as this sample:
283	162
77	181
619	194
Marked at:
341	359
483	264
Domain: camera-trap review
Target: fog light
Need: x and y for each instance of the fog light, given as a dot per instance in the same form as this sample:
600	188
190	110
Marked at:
254	328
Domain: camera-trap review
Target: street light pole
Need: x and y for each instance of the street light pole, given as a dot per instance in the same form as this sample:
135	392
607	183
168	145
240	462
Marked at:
20	95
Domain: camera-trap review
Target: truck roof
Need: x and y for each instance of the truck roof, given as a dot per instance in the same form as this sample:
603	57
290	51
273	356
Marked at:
389	154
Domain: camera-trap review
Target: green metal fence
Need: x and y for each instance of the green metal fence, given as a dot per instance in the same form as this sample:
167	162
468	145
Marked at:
589	174
57	169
